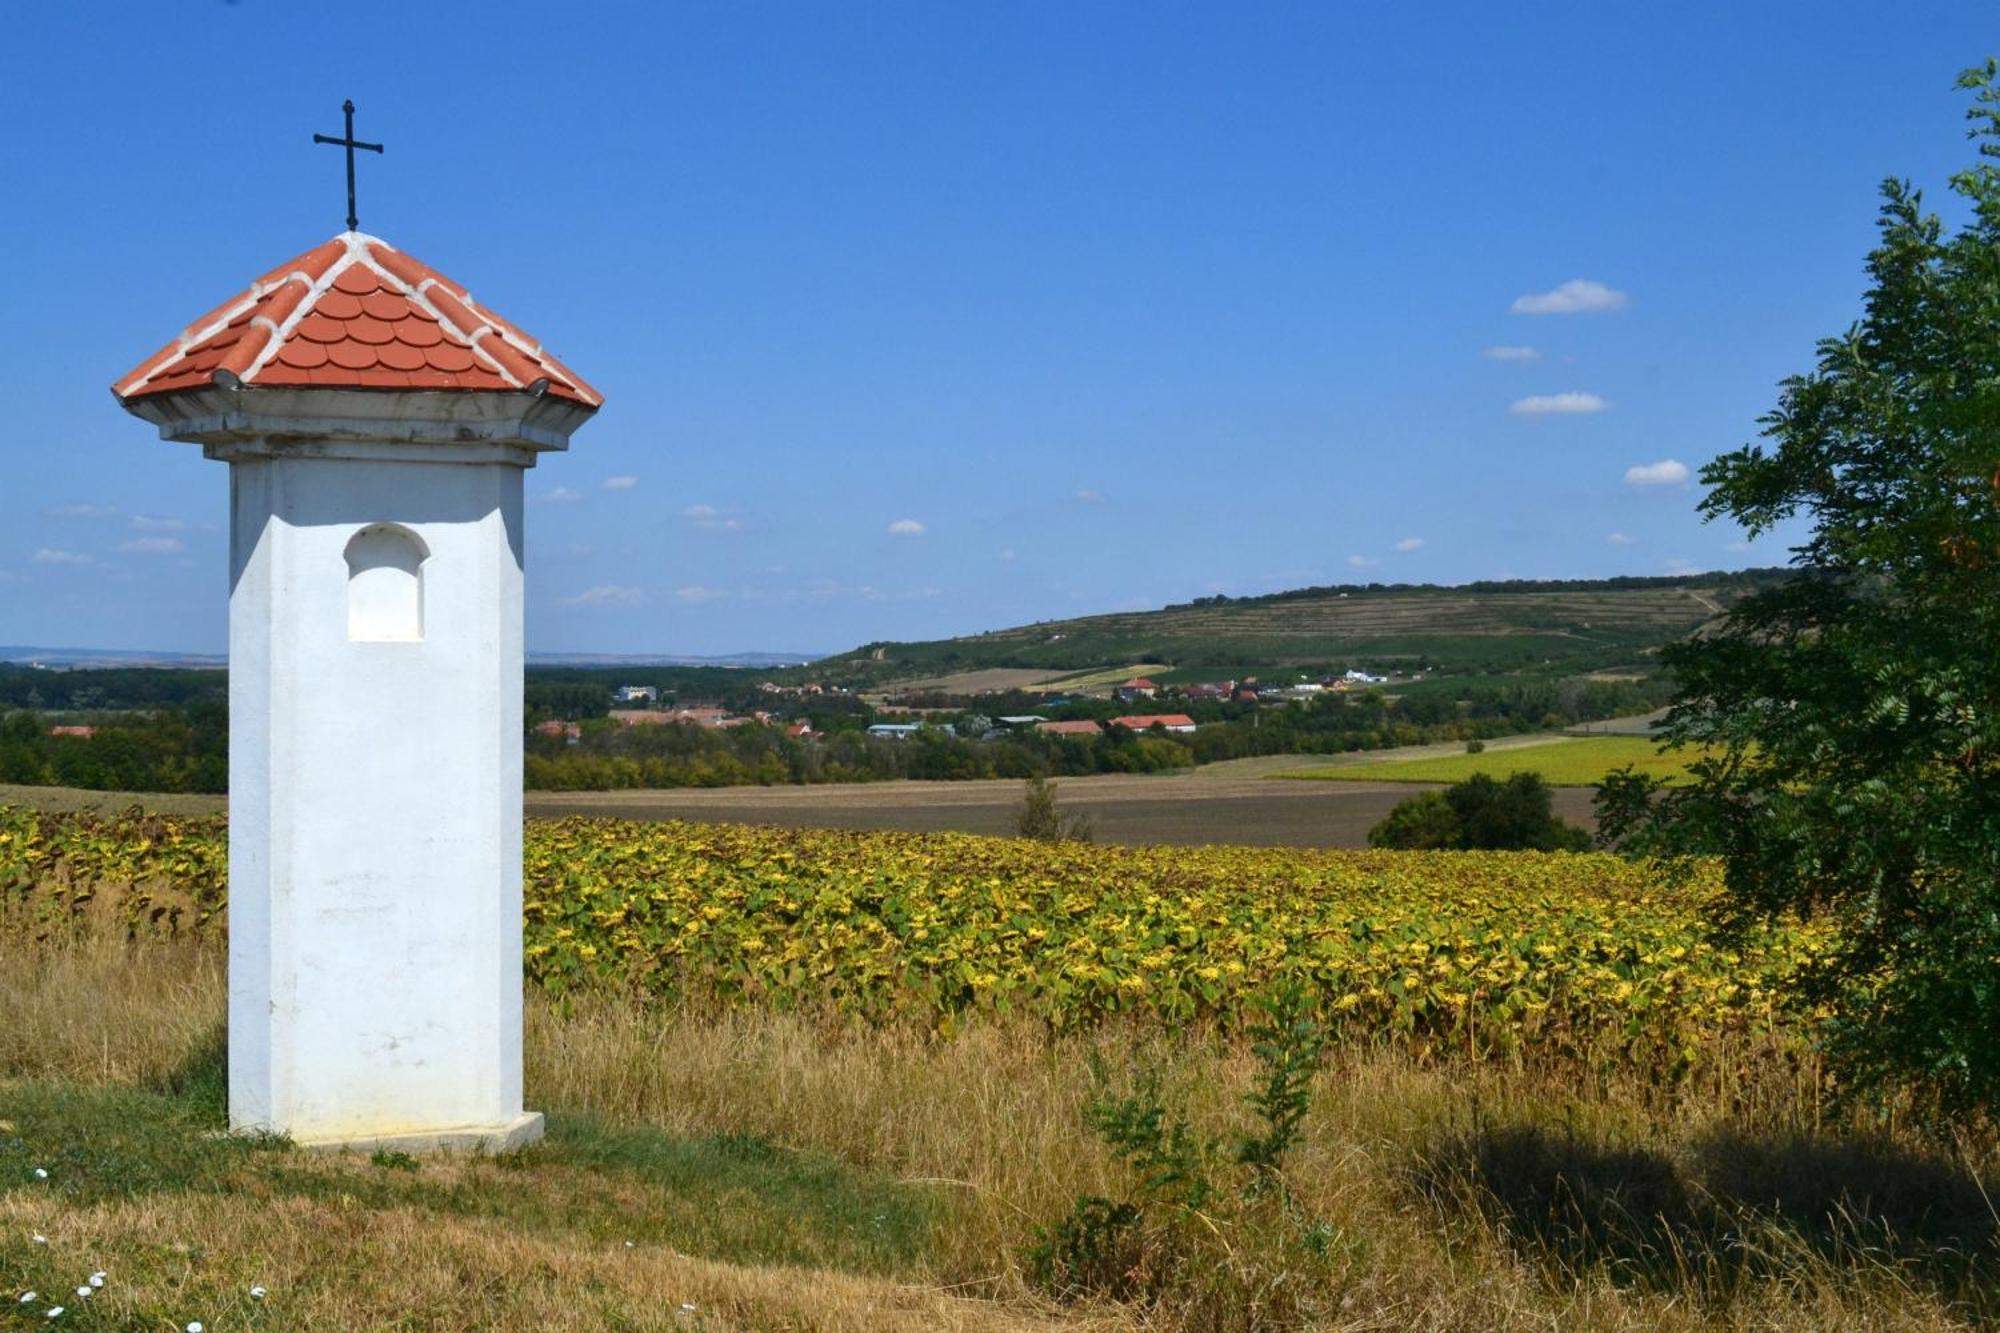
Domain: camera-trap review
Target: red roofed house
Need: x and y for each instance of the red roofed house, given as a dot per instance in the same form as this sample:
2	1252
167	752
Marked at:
1136	688
85	732
1082	728
378	424
568	731
801	731
642	717
1147	721
659	717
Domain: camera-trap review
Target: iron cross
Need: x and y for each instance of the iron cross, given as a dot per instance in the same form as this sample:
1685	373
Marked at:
350	143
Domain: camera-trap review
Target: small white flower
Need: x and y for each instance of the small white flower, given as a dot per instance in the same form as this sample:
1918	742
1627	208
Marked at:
195	1327
53	1312
687	1307
83	1292
628	1244
97	1278
41	1173
40	1239
256	1293
28	1296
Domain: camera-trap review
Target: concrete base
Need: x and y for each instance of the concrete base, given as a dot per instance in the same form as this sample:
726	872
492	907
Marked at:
518	1133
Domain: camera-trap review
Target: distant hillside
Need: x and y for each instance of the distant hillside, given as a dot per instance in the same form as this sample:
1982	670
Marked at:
1575	625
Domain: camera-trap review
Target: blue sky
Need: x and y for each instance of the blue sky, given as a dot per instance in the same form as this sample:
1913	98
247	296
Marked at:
916	320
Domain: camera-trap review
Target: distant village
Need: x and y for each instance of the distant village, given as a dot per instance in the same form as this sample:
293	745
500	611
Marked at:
638	706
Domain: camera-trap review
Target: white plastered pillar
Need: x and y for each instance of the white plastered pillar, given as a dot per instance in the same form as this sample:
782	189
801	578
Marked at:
375	654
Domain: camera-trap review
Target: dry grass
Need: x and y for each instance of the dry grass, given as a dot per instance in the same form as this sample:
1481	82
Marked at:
335	1263
1455	1197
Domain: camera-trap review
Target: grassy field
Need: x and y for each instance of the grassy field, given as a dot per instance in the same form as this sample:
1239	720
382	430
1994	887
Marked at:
1579	761
756	1170
754	1153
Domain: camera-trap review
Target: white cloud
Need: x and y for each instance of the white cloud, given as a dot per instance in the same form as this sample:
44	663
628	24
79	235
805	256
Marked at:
707	518
606	594
1090	497
1557	404
696	594
153	546
620	483
153	523
1410	544
1008	554
1666	472
1511	354
50	556
562	495
82	511
1618	539
1739	547
1361	562
1578	296
907	527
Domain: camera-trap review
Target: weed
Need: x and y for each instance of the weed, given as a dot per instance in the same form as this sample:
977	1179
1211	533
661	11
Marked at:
1193	1190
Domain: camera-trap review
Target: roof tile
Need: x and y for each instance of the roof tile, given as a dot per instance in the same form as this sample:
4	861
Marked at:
302	355
337	304
419	331
383	305
402	356
357	279
356	313
371	331
352	355
321	329
451	357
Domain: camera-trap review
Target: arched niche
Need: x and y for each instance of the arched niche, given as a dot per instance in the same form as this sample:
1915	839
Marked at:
385	585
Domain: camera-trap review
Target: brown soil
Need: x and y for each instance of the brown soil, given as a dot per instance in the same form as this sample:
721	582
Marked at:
1185	809
1123	808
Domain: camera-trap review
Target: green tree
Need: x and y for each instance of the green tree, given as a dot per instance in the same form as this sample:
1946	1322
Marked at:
1424	822
1854	709
1480	814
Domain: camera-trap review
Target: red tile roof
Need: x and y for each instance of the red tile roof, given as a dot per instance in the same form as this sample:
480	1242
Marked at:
1083	728
1141	721
354	313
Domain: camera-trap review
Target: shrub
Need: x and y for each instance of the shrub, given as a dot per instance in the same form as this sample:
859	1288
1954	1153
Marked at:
1040	819
1480	814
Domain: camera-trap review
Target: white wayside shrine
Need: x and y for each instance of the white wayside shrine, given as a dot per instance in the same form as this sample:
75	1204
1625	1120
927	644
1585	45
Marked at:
377	423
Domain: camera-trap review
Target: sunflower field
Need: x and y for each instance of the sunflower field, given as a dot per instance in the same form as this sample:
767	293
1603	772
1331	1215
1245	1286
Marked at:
1486	952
